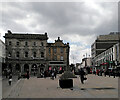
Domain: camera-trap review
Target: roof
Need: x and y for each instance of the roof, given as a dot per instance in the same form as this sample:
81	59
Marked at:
26	36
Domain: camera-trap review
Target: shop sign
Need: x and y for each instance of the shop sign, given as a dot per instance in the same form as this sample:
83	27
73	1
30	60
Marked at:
50	68
60	68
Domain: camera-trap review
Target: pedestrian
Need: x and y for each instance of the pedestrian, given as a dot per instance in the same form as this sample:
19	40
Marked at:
45	74
94	72
52	75
6	73
109	73
28	74
10	79
82	73
105	72
113	71
97	72
55	74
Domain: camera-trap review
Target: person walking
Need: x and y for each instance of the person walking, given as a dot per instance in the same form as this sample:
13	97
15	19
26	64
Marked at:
10	79
53	74
82	73
28	74
105	71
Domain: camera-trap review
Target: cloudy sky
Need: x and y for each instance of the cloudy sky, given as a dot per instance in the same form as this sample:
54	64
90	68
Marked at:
78	23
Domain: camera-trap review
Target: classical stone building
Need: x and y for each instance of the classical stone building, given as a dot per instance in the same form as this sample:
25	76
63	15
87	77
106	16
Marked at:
32	52
25	51
58	55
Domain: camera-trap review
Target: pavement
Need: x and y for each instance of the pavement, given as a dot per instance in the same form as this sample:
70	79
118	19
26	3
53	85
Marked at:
6	89
94	87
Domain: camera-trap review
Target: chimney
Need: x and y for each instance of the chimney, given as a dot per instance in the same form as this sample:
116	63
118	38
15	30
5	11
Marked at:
9	32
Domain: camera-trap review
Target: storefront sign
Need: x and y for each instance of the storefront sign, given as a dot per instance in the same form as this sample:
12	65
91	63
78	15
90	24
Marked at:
60	68
50	68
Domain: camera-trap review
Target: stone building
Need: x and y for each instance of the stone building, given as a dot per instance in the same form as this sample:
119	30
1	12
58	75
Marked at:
25	51
58	55
32	52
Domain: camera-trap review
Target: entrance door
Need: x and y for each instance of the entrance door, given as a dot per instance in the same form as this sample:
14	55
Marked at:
34	69
26	67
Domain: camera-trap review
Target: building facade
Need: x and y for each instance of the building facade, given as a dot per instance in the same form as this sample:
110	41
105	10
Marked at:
32	52
25	51
58	55
2	56
110	58
102	43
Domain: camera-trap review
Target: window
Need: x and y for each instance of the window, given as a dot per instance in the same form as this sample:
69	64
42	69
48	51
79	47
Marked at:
17	43
26	54
49	50
10	43
9	54
26	43
61	50
55	57
42	54
42	44
61	58
55	50
17	54
34	54
34	43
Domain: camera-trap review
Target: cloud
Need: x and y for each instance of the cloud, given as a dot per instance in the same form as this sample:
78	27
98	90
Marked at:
76	22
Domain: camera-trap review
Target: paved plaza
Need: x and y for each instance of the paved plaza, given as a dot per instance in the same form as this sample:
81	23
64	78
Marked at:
94	87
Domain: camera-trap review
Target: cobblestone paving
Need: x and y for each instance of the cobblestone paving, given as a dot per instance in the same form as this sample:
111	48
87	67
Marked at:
94	87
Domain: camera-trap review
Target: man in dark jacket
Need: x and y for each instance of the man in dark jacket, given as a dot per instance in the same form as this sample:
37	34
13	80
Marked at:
82	73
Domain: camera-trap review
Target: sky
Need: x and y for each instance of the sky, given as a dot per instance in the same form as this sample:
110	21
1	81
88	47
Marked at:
78	23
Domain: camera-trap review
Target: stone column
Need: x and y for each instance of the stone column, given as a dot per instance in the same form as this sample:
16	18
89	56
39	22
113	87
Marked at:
29	68
22	68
